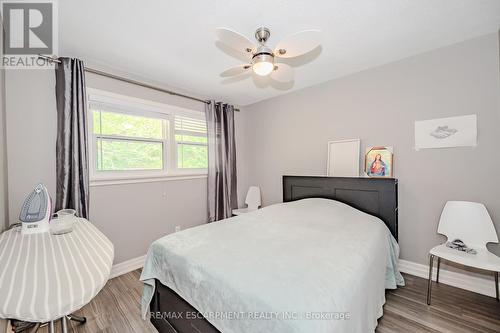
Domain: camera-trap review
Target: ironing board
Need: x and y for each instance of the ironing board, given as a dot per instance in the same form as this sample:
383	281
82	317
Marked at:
45	277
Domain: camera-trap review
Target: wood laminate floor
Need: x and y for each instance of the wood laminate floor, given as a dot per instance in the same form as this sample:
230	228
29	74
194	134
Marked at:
116	309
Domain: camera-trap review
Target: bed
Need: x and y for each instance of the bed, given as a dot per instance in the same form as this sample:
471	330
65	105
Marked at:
318	262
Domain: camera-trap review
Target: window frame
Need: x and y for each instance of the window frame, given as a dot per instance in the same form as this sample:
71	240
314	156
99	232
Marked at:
142	108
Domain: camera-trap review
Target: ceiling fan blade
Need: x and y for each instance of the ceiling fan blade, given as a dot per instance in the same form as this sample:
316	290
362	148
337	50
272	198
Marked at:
235	40
236	70
282	73
298	44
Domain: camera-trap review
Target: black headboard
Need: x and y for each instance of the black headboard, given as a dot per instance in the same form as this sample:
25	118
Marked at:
375	196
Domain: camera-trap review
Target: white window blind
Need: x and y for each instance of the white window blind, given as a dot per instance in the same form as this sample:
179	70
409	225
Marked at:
190	124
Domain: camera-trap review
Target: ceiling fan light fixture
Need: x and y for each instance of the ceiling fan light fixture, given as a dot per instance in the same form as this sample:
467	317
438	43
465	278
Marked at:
263	64
266	61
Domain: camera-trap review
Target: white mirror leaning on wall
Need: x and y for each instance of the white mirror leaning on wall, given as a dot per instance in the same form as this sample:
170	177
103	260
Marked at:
343	158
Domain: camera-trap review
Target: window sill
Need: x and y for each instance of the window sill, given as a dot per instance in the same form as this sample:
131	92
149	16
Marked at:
138	180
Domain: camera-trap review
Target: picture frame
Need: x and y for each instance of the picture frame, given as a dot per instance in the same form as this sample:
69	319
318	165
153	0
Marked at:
379	162
343	158
451	132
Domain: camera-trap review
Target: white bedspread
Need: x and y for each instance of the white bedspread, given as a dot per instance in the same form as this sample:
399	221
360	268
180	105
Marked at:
313	265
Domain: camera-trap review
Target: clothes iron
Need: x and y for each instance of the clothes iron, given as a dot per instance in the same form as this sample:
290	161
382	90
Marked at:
36	211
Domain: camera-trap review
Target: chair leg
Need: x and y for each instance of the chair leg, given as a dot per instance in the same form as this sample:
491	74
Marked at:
35	328
64	325
429	283
438	267
496	286
80	319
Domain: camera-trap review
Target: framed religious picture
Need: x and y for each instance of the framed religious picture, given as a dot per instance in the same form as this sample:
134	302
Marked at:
378	161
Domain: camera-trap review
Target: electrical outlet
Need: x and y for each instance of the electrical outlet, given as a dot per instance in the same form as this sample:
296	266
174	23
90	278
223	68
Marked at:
177	228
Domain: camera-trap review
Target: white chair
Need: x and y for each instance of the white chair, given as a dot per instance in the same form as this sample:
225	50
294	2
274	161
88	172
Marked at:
252	201
471	223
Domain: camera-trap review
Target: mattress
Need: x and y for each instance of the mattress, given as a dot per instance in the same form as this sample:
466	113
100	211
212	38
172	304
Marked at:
313	265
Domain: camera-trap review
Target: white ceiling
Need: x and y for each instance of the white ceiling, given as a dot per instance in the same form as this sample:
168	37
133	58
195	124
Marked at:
172	42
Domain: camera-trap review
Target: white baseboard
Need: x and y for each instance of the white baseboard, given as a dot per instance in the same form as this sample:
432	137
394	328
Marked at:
127	266
480	285
477	284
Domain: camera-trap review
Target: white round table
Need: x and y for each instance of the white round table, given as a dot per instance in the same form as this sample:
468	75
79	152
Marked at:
45	277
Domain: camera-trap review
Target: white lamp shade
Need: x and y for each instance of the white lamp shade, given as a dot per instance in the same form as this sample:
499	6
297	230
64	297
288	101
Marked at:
263	68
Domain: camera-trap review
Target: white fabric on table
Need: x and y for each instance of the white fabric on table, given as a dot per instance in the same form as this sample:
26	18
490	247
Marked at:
44	277
303	258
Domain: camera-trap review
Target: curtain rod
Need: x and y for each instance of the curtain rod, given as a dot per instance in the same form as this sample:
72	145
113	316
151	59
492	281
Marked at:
137	83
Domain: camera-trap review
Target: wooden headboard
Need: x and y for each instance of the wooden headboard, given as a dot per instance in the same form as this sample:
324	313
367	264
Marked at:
375	196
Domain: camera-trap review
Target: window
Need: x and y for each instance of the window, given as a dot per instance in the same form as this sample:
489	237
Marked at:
191	142
127	142
131	138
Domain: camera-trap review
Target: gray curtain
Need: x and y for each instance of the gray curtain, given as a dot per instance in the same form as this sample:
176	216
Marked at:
222	196
71	148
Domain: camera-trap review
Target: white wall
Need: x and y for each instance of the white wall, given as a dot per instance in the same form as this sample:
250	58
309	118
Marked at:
131	215
289	134
31	134
3	150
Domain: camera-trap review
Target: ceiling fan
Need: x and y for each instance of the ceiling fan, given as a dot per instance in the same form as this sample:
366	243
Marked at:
264	60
